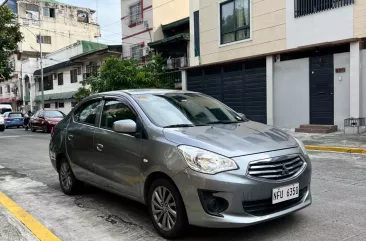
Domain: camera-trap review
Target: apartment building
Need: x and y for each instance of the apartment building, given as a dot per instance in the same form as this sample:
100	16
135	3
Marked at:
52	23
283	62
62	79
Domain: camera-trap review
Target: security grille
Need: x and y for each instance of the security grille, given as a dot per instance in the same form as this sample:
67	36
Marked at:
306	7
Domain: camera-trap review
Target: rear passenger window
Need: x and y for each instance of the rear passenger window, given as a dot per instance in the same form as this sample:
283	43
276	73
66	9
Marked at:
87	113
115	111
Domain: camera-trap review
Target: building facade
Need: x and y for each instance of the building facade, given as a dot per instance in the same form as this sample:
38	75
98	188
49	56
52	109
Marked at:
54	25
284	62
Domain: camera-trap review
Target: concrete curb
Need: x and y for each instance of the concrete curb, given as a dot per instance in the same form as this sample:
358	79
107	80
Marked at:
336	149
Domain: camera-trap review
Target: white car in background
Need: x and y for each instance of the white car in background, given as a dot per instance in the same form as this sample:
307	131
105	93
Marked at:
2	123
3	109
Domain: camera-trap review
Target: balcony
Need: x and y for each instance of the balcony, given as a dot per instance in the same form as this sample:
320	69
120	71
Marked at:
176	63
307	7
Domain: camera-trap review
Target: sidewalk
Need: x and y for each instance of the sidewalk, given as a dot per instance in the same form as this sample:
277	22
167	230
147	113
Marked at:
337	139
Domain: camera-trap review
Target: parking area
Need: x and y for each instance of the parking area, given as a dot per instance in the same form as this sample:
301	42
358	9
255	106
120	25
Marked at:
27	177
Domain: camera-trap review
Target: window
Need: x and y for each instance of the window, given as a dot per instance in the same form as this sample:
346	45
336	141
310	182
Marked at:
60	78
235	21
306	7
45	39
47	83
8	89
61	105
135	14
196	33
136	52
49	12
1	90
54	114
83	16
47	105
87	113
114	111
74	76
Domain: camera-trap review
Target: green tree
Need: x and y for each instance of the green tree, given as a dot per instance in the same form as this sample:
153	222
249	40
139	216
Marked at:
119	74
10	36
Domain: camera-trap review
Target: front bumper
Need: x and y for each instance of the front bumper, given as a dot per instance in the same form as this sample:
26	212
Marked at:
236	188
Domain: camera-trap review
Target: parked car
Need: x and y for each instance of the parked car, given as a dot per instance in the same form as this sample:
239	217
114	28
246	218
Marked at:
188	157
45	120
2	123
13	119
5	108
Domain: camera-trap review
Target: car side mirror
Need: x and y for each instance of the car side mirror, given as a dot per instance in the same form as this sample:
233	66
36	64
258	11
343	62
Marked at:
125	126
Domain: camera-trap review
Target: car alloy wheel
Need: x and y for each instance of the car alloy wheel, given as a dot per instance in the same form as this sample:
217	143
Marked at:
65	176
164	208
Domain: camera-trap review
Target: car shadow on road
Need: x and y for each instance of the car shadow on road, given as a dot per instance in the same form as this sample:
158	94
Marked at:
117	210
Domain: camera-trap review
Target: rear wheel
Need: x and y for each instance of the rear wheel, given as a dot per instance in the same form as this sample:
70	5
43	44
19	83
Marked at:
68	182
166	209
2	128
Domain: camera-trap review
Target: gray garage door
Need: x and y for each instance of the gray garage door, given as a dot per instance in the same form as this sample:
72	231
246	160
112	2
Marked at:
242	86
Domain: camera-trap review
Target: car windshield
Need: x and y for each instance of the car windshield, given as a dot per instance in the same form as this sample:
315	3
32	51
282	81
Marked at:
4	110
185	109
15	115
53	114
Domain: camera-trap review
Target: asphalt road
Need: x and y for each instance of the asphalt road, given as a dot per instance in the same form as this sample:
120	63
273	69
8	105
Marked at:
27	177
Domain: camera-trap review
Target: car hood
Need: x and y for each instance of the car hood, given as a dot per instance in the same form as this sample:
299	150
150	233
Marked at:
232	140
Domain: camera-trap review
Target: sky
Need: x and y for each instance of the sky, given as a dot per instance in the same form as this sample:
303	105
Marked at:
109	18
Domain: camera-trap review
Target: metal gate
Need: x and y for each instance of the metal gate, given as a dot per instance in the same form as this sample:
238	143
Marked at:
241	86
321	90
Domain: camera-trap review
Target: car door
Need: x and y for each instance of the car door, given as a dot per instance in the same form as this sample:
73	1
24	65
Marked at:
79	139
118	155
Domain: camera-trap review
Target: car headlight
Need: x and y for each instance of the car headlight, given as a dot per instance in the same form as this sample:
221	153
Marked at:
302	146
205	161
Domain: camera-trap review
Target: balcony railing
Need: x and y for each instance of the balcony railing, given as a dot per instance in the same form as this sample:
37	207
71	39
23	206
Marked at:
307	7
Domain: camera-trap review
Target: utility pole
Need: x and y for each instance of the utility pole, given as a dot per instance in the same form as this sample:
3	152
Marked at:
41	56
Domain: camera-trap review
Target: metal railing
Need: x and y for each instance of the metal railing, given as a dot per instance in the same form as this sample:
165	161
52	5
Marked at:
307	7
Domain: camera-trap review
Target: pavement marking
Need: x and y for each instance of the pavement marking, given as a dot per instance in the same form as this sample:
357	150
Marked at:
337	149
40	231
3	137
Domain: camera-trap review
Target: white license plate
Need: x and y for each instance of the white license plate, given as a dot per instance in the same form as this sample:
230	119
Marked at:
282	194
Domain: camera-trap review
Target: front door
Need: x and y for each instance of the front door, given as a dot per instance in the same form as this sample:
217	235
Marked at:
80	142
118	156
322	90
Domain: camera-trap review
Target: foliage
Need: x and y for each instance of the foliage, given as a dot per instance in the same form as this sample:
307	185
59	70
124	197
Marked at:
119	74
10	36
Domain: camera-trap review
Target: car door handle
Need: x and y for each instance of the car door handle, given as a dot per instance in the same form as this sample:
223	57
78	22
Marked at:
100	147
70	137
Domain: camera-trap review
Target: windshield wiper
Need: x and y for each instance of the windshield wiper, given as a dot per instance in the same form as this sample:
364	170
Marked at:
179	125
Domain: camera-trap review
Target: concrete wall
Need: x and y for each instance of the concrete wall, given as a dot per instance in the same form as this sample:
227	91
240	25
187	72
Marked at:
363	83
341	89
291	93
268	23
359	14
194	6
332	25
167	11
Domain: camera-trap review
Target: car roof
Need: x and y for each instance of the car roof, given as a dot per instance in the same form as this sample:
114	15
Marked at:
145	91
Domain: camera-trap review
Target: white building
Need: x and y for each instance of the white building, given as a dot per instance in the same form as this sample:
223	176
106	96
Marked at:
62	79
59	25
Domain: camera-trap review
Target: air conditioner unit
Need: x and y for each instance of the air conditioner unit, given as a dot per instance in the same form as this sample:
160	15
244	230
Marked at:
145	51
54	76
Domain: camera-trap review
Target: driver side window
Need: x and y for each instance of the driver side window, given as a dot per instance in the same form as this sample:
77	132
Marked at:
87	113
115	111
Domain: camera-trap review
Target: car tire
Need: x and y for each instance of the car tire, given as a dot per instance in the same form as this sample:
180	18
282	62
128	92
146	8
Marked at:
68	182
45	129
2	128
32	128
171	208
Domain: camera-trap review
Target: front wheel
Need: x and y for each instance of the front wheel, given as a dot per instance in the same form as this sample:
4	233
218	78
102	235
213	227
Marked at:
68	182
2	128
166	209
32	128
45	129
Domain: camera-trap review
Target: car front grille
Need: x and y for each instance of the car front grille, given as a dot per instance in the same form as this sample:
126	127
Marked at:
265	206
278	168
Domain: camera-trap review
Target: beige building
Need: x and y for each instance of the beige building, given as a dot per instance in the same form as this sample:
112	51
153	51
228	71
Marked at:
52	23
283	62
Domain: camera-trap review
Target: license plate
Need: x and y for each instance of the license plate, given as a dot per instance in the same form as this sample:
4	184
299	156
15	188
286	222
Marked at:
282	194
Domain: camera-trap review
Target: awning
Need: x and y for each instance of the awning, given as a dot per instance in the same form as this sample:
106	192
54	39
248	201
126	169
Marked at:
57	96
173	39
175	24
55	68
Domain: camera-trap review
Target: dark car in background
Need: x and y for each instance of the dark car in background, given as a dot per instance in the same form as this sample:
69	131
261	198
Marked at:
13	119
45	120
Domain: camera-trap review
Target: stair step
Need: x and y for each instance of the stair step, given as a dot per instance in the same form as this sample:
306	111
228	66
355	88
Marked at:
322	127
314	130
